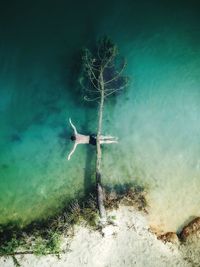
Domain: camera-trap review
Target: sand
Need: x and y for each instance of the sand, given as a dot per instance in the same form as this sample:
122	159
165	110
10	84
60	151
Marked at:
127	243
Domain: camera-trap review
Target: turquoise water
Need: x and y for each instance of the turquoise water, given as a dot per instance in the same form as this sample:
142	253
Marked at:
157	118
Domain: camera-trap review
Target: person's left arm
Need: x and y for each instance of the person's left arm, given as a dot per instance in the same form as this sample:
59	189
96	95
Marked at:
74	128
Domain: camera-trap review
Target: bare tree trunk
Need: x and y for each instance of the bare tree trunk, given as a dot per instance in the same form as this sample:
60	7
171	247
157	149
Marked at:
100	194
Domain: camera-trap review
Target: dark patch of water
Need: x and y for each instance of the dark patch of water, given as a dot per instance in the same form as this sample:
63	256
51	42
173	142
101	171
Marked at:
15	138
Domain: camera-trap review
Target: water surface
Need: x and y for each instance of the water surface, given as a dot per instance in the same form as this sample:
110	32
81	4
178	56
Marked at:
157	118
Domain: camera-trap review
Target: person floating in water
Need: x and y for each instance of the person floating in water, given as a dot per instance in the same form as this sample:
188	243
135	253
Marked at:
88	139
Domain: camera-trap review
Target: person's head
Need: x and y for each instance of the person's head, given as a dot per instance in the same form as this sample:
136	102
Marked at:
73	138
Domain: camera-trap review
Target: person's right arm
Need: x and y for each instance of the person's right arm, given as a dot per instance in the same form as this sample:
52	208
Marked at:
74	148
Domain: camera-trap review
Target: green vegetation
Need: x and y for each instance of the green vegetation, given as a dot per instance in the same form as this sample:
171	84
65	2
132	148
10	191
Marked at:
9	247
50	245
45	237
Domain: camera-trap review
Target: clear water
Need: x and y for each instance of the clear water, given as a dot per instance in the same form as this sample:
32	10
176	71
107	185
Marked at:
157	118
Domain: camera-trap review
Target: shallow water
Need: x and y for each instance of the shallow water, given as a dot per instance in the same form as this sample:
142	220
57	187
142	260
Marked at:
157	118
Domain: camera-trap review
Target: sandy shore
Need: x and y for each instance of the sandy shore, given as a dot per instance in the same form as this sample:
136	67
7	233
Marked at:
129	243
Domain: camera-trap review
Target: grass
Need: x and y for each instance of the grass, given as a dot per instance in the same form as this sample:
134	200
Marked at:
49	245
45	237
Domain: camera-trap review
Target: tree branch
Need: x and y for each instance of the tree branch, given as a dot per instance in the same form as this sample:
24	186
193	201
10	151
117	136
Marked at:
83	86
88	65
115	90
117	75
94	83
86	98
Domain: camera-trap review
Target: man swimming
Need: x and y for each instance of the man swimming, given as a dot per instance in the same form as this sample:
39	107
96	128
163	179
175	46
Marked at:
88	139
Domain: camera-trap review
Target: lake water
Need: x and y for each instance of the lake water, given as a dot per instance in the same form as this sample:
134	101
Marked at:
156	119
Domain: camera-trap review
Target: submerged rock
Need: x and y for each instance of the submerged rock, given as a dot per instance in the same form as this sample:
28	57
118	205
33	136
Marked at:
193	228
169	237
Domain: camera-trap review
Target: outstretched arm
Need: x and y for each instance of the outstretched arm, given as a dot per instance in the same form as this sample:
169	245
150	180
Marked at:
74	128
74	148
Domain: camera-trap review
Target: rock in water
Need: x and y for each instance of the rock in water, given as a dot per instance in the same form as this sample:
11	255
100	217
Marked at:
192	228
169	237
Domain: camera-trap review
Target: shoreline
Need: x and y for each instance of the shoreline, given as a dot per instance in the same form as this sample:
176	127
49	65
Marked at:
129	242
128	238
43	236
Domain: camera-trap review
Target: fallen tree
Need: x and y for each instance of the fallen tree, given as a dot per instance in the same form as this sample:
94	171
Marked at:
101	78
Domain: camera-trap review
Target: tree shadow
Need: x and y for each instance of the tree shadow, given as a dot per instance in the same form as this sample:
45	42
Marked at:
89	184
71	78
89	170
123	188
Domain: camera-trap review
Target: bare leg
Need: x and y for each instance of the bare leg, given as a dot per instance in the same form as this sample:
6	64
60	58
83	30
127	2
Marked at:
107	137
108	141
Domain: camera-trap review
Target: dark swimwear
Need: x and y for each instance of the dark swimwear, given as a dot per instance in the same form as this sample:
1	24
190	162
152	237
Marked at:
93	140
